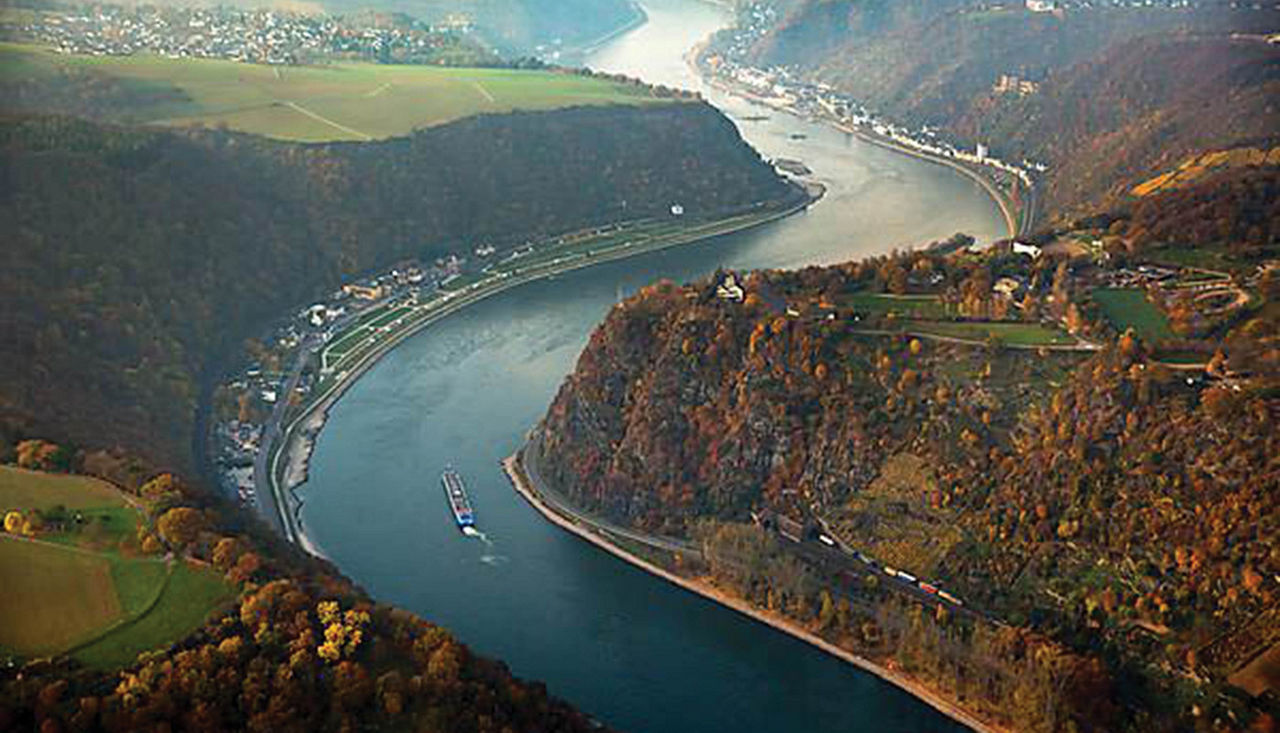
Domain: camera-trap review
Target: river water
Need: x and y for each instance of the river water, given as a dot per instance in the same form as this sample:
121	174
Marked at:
626	647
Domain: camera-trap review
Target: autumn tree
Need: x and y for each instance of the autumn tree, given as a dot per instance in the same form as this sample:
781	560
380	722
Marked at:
180	526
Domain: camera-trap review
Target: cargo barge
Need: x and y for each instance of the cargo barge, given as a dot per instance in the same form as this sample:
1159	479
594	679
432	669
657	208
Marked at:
456	492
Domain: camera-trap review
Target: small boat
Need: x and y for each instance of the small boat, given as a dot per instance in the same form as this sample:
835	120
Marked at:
459	504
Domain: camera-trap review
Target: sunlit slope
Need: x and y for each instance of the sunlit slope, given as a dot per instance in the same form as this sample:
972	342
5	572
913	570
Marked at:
348	101
80	584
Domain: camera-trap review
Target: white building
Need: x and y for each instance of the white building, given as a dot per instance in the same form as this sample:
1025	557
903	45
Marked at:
729	289
1030	250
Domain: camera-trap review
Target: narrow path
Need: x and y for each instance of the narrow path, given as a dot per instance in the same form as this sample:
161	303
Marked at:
484	92
338	126
559	503
1080	345
379	90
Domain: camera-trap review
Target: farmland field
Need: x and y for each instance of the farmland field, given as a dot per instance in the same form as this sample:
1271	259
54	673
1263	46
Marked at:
23	489
894	521
1129	308
52	596
1012	334
345	101
84	585
188	597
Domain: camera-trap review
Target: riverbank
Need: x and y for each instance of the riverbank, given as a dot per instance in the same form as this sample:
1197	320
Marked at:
514	469
287	465
1017	221
639	18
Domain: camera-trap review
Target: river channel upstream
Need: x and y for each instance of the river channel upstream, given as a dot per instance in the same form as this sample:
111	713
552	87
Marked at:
626	647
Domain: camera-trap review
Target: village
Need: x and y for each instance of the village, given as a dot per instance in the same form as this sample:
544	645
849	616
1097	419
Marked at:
783	88
260	36
259	394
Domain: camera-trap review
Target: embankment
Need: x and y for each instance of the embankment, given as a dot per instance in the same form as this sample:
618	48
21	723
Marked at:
288	466
576	525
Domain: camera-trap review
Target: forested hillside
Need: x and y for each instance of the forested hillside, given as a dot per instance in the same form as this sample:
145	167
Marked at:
1119	92
1112	503
296	648
139	260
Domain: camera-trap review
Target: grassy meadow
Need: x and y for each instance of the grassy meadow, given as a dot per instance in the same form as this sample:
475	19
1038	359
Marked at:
1008	333
53	596
340	101
86	589
23	489
1129	308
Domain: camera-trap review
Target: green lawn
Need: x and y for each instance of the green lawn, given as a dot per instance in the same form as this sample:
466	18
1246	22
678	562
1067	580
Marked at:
907	306
389	317
1129	308
78	587
103	528
188	598
348	342
23	489
137	581
341	101
1204	257
1011	334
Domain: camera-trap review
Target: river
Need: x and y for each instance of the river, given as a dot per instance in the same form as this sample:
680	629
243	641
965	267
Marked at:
624	646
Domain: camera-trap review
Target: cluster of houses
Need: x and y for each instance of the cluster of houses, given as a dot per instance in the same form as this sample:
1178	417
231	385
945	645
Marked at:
237	442
223	32
1061	6
780	88
1013	84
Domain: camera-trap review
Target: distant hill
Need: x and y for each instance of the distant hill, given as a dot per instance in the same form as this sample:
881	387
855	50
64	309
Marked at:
140	260
1136	110
315	103
1121	91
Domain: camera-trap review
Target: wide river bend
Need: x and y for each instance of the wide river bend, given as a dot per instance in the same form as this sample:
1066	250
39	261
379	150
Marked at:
626	647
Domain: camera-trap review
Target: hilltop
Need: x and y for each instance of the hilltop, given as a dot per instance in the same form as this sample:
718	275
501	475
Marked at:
1044	479
323	103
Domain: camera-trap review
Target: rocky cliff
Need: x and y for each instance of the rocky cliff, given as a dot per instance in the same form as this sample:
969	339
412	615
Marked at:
1119	509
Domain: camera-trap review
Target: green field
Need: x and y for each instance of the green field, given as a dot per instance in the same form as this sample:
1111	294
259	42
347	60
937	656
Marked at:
185	601
1009	334
23	489
1129	308
389	317
53	596
85	585
346	101
908	306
